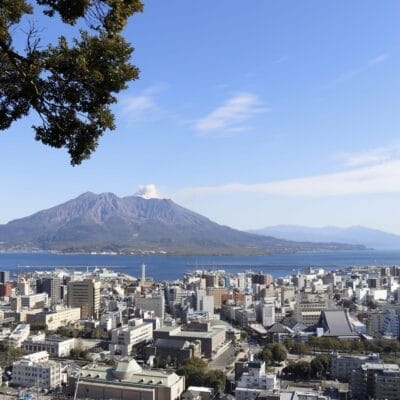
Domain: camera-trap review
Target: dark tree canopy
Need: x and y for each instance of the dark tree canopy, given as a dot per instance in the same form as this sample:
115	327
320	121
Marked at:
70	83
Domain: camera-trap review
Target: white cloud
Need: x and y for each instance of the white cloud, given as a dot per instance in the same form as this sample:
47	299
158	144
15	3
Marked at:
144	101
381	178
379	59
372	156
230	116
148	191
352	73
139	103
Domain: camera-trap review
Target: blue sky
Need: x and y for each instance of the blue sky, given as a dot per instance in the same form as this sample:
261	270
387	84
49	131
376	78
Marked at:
252	113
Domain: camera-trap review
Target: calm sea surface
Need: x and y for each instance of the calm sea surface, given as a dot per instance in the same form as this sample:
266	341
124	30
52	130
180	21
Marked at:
171	267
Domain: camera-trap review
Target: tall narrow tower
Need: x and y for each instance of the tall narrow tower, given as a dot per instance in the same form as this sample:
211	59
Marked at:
143	273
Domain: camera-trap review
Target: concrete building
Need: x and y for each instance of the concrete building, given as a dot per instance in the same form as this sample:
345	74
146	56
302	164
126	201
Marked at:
4	276
375	381
110	320
55	318
126	381
342	365
253	382
36	300
245	317
176	351
391	324
262	279
266	312
86	295
375	323
55	346
217	293
35	370
51	286
124	339
154	303
308	308
211	338
18	335
6	289
204	303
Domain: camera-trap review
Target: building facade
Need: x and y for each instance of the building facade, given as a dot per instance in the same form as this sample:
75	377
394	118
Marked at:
85	294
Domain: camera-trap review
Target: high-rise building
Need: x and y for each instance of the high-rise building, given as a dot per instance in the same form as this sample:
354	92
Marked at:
86	295
4	276
217	293
6	289
51	286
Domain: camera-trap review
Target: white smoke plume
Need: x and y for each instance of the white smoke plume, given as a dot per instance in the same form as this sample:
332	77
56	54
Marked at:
148	192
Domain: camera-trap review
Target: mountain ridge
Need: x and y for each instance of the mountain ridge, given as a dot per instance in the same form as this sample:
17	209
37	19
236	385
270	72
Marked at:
107	223
369	237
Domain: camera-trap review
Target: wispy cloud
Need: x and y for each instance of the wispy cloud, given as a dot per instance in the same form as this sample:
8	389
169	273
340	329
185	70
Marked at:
352	73
371	156
144	101
378	59
231	116
381	178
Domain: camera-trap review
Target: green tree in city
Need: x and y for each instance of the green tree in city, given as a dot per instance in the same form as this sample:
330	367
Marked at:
195	372
299	348
320	365
70	82
273	353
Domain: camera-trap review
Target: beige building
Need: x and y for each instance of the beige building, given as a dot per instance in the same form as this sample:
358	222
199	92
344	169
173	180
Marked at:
308	307
55	346
217	293
126	381
57	318
86	295
35	370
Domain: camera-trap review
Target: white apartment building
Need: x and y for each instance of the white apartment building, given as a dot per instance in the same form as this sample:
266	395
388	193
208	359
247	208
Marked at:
204	303
252	383
123	339
36	370
19	334
55	346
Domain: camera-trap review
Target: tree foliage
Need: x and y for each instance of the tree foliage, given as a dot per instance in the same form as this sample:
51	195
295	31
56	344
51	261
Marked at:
195	372
317	368
72	82
8	354
273	353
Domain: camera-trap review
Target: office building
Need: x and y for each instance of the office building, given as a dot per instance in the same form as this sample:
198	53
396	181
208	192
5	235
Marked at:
4	276
55	318
154	303
86	295
36	370
55	346
125	338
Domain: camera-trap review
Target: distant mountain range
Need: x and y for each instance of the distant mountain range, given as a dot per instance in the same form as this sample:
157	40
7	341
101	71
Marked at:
371	238
135	225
